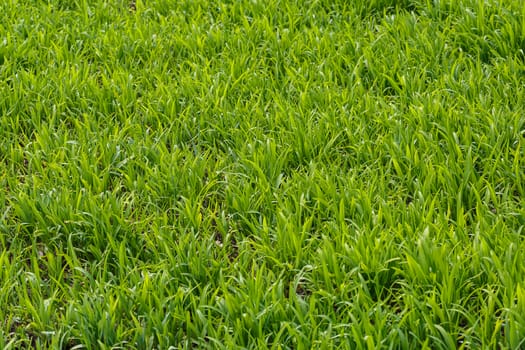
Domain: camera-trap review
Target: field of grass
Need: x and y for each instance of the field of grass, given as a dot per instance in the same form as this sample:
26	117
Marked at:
284	174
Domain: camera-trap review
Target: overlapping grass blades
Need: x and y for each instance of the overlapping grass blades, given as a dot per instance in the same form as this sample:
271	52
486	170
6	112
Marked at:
248	174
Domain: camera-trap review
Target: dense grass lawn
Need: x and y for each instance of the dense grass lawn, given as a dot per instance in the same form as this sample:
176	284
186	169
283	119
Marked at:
285	174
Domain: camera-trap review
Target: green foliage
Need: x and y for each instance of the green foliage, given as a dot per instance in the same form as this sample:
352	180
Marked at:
262	174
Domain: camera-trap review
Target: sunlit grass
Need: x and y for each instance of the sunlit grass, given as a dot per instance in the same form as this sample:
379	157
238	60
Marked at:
262	174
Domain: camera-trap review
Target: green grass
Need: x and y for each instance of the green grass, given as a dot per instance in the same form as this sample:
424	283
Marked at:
283	174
